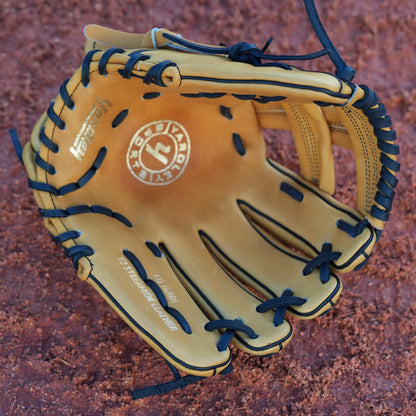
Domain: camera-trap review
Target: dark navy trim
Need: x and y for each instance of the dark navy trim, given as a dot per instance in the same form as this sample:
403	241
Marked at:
267	82
300	238
204	95
323	303
283	227
280	342
292	176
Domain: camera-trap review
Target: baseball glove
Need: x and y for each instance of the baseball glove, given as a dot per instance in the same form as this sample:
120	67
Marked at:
150	169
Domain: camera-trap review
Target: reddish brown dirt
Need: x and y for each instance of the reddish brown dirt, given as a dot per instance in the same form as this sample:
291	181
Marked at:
64	352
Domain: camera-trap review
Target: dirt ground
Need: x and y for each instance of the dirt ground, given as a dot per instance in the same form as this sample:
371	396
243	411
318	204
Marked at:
65	352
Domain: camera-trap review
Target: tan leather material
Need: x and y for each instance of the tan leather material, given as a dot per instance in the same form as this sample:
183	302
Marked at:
313	144
99	37
161	185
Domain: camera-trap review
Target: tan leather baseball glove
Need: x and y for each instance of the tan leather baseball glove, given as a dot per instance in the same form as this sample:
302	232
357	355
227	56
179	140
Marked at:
150	169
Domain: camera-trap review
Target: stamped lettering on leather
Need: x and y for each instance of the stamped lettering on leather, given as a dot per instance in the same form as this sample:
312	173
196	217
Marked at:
85	136
159	152
148	294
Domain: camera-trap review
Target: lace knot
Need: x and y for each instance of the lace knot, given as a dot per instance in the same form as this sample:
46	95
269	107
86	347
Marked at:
322	261
245	52
280	305
231	327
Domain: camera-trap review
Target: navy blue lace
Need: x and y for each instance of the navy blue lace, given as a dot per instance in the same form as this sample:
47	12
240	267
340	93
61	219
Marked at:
178	383
84	209
76	252
231	326
135	57
280	305
154	74
240	52
377	116
70	187
249	53
322	262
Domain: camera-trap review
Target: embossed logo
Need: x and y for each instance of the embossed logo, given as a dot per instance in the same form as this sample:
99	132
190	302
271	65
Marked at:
159	152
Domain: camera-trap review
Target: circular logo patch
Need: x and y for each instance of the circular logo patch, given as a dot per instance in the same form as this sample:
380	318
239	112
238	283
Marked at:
159	152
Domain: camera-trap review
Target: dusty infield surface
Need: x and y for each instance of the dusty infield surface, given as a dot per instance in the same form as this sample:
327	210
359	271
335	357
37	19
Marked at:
64	351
